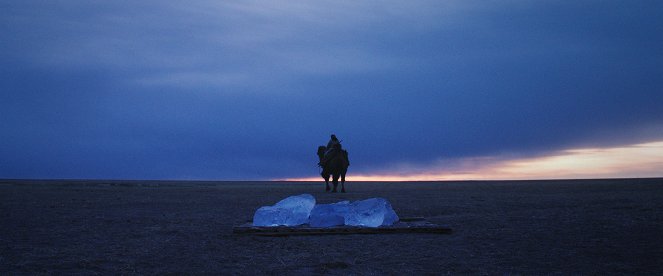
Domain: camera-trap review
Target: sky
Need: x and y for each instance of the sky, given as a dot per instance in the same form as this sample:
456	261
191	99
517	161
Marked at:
247	90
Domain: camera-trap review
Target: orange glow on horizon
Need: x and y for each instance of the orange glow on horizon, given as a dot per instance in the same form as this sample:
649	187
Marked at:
632	161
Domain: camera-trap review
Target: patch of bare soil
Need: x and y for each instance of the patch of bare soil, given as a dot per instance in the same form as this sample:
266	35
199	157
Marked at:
156	227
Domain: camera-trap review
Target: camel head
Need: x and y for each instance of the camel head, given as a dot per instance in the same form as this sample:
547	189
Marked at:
321	152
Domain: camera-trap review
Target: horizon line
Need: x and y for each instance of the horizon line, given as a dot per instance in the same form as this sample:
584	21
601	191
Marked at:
321	180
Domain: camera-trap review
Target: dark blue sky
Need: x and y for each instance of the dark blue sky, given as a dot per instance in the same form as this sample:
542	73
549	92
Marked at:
248	90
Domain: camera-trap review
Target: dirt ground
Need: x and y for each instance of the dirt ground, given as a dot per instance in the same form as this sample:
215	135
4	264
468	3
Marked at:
501	227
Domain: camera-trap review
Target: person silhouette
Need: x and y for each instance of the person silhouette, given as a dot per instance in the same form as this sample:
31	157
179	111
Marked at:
333	141
332	145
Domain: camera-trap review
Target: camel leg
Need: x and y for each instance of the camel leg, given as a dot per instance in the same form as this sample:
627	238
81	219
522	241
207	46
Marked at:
342	183
326	183
335	180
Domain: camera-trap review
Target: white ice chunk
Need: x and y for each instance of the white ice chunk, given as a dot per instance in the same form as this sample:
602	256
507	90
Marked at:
327	215
372	212
301	207
270	216
291	211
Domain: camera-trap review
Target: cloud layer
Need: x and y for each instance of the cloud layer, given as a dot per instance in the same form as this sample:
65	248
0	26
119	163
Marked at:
247	90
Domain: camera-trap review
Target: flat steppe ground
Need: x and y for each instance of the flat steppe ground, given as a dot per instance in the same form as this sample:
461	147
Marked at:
500	227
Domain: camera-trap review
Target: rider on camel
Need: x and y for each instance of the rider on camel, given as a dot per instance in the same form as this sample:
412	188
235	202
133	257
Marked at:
333	144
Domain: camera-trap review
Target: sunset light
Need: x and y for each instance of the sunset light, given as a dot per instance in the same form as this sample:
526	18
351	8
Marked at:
638	160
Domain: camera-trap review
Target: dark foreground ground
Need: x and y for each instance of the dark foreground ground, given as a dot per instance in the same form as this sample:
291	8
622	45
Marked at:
509	227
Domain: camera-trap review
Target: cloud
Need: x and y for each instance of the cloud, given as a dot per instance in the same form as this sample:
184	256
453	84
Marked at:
253	38
405	84
194	80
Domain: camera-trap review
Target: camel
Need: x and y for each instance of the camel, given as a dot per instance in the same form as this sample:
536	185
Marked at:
335	165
